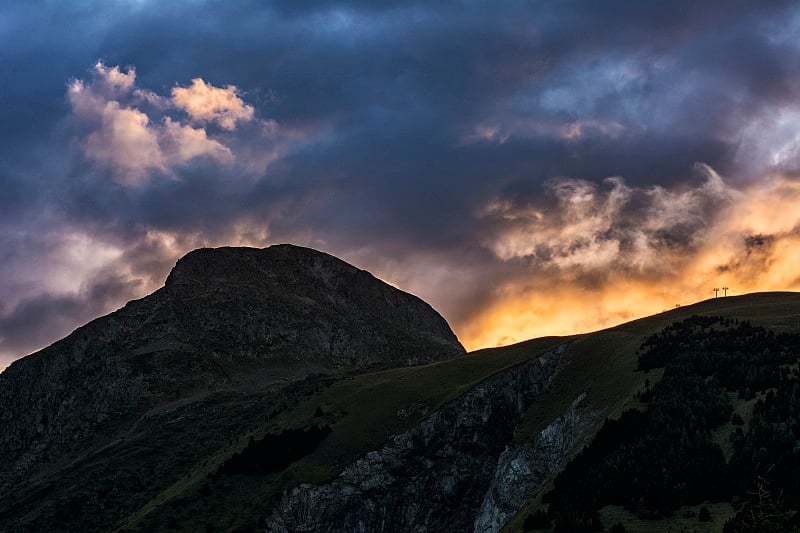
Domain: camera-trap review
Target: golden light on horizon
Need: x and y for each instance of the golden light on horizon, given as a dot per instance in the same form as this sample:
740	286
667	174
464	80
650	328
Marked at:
751	244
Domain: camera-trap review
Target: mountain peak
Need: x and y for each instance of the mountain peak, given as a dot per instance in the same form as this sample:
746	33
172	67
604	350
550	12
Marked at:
237	263
295	303
227	318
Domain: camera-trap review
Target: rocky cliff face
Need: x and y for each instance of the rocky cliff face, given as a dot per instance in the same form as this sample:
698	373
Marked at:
224	315
433	477
523	469
294	304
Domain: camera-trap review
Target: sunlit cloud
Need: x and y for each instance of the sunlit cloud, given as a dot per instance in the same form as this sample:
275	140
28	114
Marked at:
589	229
205	103
123	139
114	79
602	256
539	185
60	279
182	143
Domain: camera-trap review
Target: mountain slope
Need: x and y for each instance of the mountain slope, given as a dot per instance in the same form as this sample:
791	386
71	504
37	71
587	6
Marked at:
596	376
373	415
226	319
606	368
474	439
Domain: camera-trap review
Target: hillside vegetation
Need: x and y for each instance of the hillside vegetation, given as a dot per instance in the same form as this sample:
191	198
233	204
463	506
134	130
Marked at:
365	410
175	468
654	461
714	425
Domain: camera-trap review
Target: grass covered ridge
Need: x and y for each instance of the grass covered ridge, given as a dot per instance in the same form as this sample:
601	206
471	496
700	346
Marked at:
169	459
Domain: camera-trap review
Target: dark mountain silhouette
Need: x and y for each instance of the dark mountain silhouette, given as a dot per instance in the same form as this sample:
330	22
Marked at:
227	318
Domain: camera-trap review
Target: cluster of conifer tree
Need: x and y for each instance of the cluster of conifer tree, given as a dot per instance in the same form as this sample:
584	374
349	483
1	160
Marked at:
656	460
274	452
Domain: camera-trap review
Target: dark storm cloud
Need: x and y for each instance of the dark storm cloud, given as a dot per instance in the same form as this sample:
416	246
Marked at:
392	125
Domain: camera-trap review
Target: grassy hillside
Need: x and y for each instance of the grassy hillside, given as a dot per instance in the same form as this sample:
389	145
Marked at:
170	458
364	410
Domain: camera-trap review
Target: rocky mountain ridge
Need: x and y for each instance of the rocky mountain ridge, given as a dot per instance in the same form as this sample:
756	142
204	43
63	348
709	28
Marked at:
456	470
224	317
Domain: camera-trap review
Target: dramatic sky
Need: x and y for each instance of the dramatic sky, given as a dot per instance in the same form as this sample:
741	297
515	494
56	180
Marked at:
528	168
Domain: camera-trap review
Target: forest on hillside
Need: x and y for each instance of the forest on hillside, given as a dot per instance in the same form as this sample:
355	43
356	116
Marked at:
655	460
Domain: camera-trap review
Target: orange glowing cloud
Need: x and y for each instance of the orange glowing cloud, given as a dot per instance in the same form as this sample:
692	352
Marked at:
604	256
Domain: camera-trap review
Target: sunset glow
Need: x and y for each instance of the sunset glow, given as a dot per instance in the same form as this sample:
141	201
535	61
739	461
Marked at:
528	170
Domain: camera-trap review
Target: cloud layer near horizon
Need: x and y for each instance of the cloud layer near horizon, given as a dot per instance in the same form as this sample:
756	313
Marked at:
527	169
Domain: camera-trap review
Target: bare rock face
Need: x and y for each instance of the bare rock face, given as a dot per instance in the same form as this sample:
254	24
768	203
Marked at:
298	305
224	315
523	469
433	477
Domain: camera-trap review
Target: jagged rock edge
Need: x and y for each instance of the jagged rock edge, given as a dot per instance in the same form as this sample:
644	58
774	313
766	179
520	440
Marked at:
366	496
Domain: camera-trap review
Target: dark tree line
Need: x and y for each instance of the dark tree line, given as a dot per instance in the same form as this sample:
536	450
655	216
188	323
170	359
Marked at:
274	452
656	461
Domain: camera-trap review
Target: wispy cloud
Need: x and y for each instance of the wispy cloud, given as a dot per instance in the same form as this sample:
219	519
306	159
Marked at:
586	228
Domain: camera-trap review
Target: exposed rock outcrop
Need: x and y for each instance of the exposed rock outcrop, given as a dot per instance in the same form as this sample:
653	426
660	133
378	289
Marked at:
433	477
523	469
295	304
